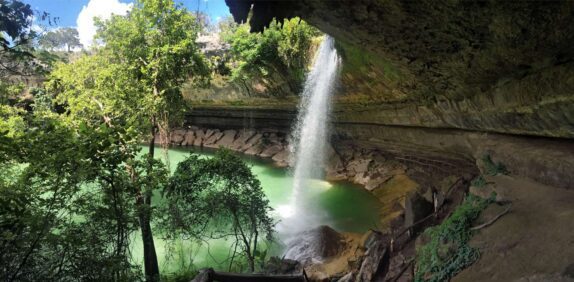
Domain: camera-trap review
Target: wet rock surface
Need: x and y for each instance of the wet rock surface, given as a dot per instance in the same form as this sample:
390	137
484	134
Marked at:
315	245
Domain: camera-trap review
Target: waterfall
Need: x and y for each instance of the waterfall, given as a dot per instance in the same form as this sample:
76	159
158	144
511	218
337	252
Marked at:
310	135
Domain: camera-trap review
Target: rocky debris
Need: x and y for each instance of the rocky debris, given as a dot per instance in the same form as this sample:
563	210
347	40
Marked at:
252	141
199	136
416	208
315	245
399	267
271	151
282	158
243	137
349	277
256	149
177	136
189	138
204	275
277	265
358	166
227	138
376	259
210	142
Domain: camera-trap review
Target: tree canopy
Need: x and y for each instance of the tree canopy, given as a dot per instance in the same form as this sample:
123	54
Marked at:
63	38
219	197
283	49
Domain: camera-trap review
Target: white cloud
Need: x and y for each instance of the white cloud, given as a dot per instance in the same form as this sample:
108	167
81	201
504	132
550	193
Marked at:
97	8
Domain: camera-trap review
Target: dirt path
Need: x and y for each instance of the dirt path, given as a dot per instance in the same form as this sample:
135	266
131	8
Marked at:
532	242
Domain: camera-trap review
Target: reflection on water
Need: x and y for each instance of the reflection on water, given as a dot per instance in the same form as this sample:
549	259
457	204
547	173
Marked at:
342	206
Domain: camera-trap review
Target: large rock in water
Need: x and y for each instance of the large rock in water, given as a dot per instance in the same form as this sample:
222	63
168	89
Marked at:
315	245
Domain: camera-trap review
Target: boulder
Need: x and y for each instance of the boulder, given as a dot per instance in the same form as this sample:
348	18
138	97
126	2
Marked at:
242	138
361	178
227	138
255	139
212	140
189	138
376	259
277	266
282	158
271	151
349	277
315	245
199	137
177	136
204	275
255	149
416	208
210	132
376	181
357	166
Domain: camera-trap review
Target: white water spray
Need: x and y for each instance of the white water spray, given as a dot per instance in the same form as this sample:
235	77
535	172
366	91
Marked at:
310	134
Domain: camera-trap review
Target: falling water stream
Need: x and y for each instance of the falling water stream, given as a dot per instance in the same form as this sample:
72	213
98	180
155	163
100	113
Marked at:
309	143
310	135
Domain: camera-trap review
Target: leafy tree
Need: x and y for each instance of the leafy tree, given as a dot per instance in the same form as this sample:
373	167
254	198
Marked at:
283	50
132	82
218	197
64	212
16	36
60	38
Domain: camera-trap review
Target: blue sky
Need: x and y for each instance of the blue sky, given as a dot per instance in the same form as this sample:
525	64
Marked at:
79	13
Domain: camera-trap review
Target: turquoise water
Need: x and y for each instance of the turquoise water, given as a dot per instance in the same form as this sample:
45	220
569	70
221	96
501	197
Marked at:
343	206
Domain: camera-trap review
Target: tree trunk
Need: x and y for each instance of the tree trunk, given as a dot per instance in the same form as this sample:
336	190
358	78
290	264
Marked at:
144	205
150	256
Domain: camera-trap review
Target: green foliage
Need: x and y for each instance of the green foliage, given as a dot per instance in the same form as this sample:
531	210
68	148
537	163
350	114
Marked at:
448	251
66	212
279	50
66	37
492	168
479	181
218	198
16	36
9	92
128	90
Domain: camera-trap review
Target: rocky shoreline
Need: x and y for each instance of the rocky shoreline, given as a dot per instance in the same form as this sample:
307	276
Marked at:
402	182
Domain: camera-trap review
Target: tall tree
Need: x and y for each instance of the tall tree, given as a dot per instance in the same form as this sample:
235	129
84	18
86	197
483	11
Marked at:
219	198
16	34
150	53
67	38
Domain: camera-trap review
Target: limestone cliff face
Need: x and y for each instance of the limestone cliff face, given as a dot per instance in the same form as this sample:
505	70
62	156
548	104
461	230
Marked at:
492	66
546	160
438	81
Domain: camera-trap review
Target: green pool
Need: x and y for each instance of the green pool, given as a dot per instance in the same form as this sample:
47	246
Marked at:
343	206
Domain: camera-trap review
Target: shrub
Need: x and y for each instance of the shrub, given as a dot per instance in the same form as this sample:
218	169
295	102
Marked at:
448	251
491	168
